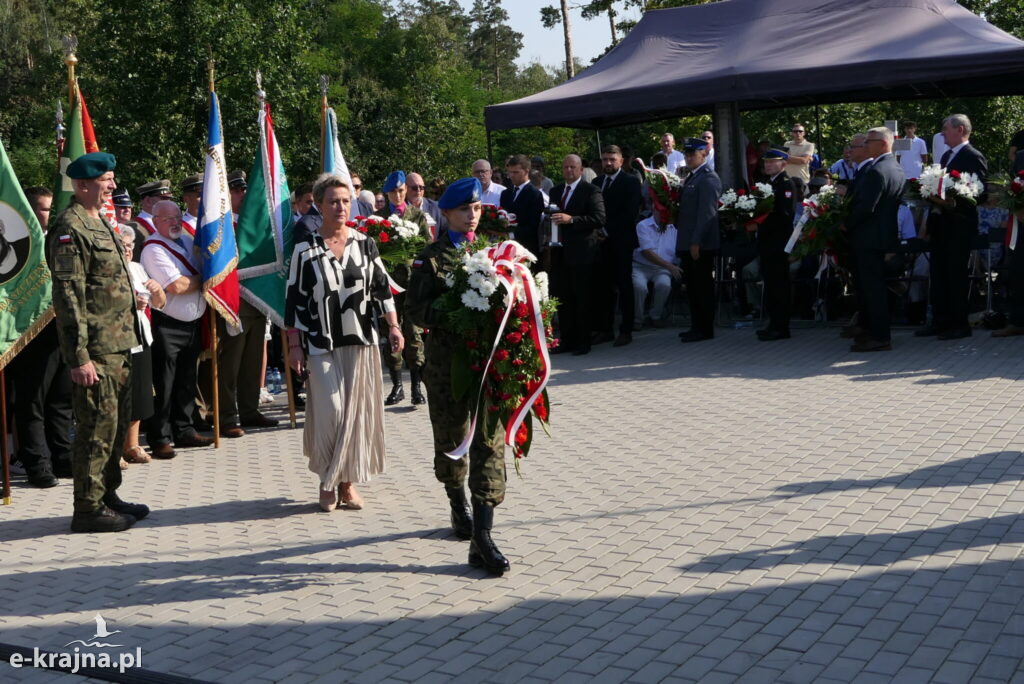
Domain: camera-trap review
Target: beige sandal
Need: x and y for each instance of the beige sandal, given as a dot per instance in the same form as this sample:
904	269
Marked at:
136	454
123	464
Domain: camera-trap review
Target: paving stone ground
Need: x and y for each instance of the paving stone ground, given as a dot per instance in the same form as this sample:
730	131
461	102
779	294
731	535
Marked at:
726	511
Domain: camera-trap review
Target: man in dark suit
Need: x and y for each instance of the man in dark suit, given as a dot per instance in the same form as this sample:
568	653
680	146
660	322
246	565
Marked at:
873	228
772	236
952	226
699	239
525	201
581	215
622	196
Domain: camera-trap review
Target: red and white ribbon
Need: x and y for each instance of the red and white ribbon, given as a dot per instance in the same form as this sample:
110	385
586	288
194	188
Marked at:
1012	228
511	260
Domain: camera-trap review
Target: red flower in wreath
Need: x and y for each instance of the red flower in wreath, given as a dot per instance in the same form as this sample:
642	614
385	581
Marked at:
350	224
514	337
386	223
741	192
540	408
521	310
501	355
954	173
524	327
522	434
384	237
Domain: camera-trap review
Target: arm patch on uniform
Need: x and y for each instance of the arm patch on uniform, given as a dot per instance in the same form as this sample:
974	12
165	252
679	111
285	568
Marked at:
417	263
789	194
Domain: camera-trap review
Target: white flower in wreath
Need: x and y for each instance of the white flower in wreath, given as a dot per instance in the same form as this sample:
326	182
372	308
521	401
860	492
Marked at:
763	189
486	285
474	300
541	280
449	280
728	199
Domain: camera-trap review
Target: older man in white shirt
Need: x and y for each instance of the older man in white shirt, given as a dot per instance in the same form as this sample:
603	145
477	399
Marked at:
169	259
673	156
491	191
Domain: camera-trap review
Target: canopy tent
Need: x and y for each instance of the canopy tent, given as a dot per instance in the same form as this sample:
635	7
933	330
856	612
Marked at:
757	54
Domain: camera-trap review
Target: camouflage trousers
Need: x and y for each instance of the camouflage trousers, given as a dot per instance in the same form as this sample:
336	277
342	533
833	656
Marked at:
413	352
102	415
449	420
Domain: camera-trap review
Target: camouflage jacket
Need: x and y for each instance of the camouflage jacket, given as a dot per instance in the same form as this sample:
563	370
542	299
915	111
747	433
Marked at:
93	297
427	284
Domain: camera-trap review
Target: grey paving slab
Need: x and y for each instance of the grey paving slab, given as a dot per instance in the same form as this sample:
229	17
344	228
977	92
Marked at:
726	511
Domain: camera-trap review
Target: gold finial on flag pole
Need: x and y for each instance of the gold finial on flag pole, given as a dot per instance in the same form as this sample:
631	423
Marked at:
209	67
70	45
323	118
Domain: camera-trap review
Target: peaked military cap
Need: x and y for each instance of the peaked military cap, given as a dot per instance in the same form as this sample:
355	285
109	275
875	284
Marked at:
694	144
158	188
122	198
92	165
462	191
775	154
192	182
236	179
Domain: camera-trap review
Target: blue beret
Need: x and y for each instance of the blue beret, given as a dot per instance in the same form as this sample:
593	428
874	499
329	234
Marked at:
394	179
92	165
775	154
462	191
122	198
693	144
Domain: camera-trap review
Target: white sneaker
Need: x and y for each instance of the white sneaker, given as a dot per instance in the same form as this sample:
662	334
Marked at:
265	396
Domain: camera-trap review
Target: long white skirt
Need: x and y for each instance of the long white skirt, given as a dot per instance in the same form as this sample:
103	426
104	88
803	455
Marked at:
344	433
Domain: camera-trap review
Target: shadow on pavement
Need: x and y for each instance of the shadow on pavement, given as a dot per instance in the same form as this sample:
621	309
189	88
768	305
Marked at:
881	626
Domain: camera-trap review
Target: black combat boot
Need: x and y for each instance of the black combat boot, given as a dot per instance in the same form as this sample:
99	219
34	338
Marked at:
417	393
482	551
135	510
462	522
101	520
397	391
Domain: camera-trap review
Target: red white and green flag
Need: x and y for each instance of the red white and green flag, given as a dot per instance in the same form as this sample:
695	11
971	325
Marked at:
80	138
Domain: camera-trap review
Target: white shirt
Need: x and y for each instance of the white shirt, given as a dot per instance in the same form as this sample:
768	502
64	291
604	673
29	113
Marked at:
939	147
607	180
911	160
589	174
711	159
139	278
842	169
165	269
492	195
675	160
661	243
191	220
952	155
146	218
572	189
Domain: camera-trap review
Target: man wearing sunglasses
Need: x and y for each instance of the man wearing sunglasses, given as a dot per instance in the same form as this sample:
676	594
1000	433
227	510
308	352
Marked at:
800	152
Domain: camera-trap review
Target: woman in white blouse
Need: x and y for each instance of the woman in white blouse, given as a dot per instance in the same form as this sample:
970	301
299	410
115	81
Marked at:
148	293
336	285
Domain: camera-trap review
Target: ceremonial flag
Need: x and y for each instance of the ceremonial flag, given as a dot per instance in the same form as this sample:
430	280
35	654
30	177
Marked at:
334	160
265	227
80	139
24	276
215	234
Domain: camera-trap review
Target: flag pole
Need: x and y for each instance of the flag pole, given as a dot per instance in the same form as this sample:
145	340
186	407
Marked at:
5	455
323	118
70	43
213	317
286	357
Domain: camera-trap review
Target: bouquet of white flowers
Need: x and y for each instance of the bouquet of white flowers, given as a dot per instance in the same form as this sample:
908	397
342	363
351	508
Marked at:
747	208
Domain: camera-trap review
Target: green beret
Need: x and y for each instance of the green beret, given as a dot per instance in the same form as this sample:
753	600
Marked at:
92	165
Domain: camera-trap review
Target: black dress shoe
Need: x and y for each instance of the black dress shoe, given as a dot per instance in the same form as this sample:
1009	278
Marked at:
581	351
397	393
601	338
622	340
101	520
955	334
135	510
260	421
928	331
202	425
694	336
43	478
163	451
772	335
867	345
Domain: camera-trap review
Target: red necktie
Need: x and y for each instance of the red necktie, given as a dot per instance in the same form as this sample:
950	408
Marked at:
565	196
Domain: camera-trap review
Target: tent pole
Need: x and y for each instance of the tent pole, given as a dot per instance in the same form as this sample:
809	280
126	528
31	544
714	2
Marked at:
490	152
597	132
817	125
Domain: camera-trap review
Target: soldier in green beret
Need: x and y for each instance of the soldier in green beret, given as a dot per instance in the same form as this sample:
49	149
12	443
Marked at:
95	309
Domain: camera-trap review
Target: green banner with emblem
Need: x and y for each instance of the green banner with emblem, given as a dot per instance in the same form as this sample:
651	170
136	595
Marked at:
24	276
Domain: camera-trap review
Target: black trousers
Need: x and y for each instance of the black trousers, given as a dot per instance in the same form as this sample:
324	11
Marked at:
614	279
872	295
775	273
573	284
699	275
951	251
176	347
42	406
1017	285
